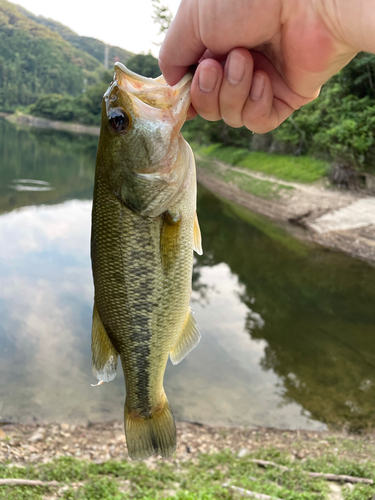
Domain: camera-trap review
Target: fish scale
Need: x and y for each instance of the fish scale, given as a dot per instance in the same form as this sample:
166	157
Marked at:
144	229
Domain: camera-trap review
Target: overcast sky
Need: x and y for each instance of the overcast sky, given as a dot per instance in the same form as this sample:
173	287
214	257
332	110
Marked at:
125	23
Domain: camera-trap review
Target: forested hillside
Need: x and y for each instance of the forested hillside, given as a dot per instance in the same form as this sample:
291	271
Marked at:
92	46
34	60
40	56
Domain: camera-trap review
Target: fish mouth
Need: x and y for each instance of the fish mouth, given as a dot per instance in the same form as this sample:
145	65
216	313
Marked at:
155	91
139	78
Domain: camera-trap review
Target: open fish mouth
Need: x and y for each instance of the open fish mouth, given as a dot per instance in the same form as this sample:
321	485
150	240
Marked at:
155	91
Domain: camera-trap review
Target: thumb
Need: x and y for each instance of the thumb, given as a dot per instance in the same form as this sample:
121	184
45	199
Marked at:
183	45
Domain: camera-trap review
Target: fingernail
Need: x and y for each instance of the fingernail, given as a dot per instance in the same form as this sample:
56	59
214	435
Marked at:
236	68
257	87
207	78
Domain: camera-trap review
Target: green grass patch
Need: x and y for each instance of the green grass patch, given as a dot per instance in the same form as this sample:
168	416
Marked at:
290	168
258	187
199	479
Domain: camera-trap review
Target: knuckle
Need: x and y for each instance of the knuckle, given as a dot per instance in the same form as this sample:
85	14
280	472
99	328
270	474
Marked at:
234	122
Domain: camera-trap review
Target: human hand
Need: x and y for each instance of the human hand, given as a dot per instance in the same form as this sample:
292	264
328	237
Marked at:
259	59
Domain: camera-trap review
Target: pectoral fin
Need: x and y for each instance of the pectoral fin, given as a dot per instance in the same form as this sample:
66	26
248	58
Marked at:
169	240
187	340
104	355
197	237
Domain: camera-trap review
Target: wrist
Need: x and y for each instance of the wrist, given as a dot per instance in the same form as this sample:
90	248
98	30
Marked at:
351	22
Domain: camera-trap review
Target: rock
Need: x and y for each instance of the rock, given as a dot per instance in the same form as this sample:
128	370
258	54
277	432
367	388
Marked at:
335	493
349	486
168	493
243	452
63	489
38	435
124	486
65	427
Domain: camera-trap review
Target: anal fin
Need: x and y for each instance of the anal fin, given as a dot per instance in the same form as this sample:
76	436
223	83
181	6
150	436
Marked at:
104	355
197	237
187	340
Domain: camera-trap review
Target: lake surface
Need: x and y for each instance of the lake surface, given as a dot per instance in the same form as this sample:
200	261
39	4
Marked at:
288	329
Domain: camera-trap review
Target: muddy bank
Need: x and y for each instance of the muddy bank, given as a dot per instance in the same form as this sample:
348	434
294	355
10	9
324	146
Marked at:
34	121
336	219
104	441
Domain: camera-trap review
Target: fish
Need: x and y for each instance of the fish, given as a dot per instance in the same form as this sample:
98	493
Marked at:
143	234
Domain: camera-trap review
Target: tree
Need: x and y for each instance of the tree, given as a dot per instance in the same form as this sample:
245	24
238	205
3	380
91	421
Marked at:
162	16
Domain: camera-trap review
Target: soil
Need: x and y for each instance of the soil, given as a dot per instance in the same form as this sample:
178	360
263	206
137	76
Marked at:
104	441
307	209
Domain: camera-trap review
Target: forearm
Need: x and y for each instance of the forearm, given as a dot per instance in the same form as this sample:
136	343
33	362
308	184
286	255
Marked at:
351	21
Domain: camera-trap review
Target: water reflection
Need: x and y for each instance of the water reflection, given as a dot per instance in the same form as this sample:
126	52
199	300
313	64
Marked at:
287	329
317	308
42	166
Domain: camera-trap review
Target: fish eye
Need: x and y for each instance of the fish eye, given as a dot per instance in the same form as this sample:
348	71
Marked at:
119	120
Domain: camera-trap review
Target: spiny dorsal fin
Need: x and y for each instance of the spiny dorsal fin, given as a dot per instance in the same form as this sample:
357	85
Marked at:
104	355
187	340
197	237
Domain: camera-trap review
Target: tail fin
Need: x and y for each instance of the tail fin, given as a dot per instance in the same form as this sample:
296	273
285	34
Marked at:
153	434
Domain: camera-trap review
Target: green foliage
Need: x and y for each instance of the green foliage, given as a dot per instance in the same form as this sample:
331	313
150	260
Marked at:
339	125
92	46
289	168
201	479
144	64
162	16
85	108
262	188
35	61
206	132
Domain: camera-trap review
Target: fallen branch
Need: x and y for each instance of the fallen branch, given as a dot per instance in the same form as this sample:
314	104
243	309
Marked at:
27	482
340	477
251	494
265	463
322	475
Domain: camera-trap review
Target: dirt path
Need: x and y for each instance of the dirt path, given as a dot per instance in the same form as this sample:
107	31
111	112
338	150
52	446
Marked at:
337	219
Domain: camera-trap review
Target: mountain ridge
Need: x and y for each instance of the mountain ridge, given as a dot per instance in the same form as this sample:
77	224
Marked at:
92	46
40	56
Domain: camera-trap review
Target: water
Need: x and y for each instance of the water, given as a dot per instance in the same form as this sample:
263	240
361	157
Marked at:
287	328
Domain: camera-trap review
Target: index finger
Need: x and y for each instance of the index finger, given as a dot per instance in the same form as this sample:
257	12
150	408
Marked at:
182	46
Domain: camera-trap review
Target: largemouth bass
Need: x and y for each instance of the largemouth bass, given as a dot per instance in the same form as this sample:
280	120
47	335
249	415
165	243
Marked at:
144	230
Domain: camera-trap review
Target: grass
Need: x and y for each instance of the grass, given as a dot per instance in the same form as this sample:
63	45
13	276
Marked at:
289	168
263	188
197	479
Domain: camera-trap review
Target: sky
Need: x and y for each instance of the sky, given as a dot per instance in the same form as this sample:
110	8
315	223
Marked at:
124	23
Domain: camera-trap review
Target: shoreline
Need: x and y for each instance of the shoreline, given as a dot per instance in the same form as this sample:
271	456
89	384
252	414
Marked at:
328	217
103	441
312	213
34	121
